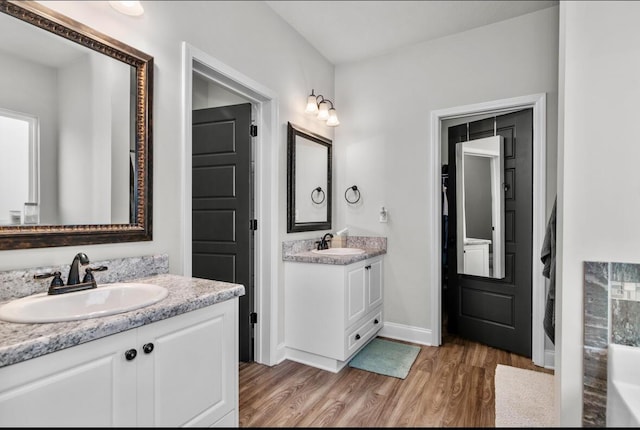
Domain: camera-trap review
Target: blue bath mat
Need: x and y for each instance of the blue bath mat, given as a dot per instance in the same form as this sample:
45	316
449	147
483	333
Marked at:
386	358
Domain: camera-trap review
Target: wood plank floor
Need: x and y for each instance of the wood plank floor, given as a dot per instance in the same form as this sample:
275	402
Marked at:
448	386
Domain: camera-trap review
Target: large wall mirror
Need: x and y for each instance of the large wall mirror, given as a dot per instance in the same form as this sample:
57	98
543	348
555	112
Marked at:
308	180
480	207
75	133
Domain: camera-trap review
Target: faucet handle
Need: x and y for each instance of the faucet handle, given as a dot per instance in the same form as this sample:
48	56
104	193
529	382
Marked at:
88	273
55	282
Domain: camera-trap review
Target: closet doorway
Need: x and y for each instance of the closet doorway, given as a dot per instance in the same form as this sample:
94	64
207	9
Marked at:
490	186
464	114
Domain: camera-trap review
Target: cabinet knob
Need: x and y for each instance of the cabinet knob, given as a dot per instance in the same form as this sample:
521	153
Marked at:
375	321
147	348
367	266
357	337
130	354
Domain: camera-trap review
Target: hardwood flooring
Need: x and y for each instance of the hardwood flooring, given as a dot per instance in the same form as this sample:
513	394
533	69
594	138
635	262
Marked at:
448	386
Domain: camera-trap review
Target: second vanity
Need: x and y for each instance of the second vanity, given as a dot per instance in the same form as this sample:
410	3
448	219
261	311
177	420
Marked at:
173	363
333	303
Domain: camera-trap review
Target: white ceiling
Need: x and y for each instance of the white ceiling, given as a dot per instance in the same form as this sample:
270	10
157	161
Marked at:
345	31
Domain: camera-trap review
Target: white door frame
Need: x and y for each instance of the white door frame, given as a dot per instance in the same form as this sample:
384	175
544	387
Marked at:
265	105
539	105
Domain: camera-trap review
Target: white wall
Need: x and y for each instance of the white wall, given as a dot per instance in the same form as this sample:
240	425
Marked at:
384	137
598	175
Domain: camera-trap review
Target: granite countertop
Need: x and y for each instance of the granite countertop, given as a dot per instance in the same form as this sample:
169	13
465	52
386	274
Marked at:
301	250
19	342
312	257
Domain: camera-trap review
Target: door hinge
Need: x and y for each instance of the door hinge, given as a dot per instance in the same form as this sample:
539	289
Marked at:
253	224
253	130
253	318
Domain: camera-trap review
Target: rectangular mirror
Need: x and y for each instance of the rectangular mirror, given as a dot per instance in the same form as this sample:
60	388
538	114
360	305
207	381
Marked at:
75	141
480	203
308	180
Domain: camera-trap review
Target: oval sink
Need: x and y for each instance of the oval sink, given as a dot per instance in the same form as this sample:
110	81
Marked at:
339	251
107	299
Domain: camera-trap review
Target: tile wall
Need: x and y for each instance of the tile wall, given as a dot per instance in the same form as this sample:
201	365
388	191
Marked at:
611	315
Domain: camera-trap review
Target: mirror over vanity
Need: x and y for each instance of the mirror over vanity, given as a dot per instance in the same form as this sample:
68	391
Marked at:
309	196
480	207
75	133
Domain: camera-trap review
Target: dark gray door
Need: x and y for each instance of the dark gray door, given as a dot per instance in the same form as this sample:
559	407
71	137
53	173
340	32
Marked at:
497	312
222	196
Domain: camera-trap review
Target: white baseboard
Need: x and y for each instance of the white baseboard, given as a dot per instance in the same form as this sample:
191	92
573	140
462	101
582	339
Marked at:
407	333
549	359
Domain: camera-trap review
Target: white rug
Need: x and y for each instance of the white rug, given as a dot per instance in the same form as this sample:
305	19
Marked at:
524	398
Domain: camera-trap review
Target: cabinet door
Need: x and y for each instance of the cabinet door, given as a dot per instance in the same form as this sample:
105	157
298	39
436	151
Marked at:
90	385
190	377
374	275
355	293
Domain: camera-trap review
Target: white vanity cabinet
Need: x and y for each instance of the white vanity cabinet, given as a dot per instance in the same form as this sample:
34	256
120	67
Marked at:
184	372
331	311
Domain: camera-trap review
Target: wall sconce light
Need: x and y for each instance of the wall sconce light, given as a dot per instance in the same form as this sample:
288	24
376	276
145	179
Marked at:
320	105
133	8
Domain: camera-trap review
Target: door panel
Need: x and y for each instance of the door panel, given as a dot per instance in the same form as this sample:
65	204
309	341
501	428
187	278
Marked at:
222	242
497	312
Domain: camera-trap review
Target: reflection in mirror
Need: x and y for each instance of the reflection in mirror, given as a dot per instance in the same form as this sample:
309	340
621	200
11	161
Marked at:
311	180
74	132
480	199
81	101
19	173
308	181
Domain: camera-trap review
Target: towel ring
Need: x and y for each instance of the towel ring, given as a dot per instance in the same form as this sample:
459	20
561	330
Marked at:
356	191
321	193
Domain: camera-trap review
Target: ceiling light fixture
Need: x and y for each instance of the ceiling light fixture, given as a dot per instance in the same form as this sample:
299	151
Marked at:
320	105
133	8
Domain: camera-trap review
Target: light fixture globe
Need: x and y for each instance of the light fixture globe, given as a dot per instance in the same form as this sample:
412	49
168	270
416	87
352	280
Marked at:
312	105
132	8
333	118
323	111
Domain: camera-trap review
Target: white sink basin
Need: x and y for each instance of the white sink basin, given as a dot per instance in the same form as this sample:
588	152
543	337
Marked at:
623	386
107	299
339	251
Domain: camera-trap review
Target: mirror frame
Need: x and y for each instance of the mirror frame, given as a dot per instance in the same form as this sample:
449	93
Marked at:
292	226
41	236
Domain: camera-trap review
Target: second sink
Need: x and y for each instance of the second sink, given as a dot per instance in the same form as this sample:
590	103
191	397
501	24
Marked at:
339	251
107	299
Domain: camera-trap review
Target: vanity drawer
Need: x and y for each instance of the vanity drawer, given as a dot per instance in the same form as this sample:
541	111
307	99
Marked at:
363	332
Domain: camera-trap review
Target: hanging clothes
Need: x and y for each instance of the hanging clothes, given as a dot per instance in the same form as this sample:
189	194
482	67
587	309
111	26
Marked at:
548	257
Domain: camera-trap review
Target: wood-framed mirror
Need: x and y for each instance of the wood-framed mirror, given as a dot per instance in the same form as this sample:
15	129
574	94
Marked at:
309	196
79	107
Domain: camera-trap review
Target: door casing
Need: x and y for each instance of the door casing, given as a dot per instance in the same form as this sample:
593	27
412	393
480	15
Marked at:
538	103
265	106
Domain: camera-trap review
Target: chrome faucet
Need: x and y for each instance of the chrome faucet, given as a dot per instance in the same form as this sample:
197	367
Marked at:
323	243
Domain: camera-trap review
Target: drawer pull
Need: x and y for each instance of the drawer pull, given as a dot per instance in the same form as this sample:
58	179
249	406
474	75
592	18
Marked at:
130	354
357	337
375	321
147	348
